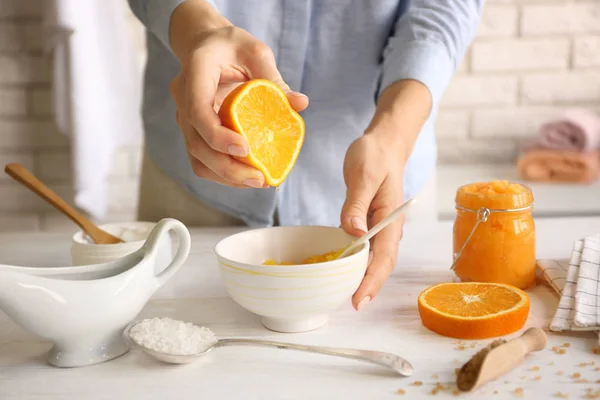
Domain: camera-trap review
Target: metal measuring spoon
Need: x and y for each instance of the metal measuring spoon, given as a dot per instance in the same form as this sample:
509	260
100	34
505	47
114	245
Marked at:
389	360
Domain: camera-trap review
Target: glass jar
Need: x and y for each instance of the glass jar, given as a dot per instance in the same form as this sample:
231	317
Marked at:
494	234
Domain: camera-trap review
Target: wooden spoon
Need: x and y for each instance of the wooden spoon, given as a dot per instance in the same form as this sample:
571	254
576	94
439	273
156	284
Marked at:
22	175
498	358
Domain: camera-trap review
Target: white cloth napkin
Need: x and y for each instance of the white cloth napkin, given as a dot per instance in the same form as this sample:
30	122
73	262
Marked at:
577	280
97	86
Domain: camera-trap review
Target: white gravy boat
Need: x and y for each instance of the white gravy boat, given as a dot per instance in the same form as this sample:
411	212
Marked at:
83	310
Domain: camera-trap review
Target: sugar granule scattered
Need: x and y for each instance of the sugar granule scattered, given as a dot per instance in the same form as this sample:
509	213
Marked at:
576	375
170	336
537	378
535	368
417	383
592	395
400	391
519	392
561	395
438	388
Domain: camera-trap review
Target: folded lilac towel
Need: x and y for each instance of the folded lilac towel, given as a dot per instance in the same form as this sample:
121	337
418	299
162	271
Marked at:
576	130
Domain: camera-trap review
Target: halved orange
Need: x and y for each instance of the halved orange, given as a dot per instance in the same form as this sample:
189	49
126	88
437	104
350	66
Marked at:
261	112
471	310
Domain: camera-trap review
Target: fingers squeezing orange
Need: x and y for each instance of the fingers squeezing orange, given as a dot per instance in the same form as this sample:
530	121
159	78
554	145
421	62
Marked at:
260	111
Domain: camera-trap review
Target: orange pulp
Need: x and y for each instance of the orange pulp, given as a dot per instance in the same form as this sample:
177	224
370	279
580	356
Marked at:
331	255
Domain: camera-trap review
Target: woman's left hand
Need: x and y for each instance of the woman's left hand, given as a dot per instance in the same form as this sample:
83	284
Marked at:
373	172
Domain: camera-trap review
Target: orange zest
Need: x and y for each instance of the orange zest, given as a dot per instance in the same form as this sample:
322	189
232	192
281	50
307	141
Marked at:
261	112
470	310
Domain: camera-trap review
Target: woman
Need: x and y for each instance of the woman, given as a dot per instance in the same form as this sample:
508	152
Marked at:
374	72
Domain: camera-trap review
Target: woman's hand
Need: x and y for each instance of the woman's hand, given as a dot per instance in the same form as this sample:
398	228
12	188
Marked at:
373	172
215	58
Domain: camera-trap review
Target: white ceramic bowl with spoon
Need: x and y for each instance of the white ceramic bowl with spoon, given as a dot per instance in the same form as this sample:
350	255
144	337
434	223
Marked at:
290	298
134	233
297	297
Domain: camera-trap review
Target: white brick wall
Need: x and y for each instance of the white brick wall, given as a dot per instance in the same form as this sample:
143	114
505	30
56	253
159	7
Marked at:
568	18
28	134
531	58
586	51
520	54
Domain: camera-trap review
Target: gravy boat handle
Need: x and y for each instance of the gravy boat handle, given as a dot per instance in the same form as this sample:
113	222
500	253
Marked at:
160	233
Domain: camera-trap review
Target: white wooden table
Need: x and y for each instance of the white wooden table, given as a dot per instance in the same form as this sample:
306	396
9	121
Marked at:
389	323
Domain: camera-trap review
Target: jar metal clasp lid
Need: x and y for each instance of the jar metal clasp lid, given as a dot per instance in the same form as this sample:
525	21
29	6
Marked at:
483	214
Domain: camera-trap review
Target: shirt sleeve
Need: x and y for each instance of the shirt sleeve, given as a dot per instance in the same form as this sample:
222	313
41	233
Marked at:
156	16
429	41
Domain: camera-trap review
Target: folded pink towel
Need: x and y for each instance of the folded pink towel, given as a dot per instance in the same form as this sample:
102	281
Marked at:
577	130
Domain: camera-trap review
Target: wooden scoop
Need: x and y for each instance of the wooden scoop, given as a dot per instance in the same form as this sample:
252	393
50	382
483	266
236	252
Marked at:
22	175
498	358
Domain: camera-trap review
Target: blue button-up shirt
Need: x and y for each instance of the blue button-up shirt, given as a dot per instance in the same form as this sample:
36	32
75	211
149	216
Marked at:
342	54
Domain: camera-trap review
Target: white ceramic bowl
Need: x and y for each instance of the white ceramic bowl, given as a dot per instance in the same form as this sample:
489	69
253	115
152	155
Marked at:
294	298
85	252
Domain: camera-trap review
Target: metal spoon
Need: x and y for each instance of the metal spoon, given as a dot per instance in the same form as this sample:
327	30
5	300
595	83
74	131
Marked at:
377	228
389	360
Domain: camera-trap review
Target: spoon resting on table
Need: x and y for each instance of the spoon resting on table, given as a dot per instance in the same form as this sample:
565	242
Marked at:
388	360
377	228
22	175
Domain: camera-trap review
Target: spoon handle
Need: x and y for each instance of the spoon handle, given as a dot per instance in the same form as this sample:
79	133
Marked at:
22	175
389	360
377	228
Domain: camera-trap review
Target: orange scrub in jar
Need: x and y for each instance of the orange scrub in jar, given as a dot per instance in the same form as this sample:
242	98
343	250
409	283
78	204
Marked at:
501	249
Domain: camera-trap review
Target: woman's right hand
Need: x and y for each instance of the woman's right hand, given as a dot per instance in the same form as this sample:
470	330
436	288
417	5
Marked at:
216	57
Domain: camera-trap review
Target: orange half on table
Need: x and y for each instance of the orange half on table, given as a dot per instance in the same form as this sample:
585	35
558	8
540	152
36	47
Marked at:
261	112
469	310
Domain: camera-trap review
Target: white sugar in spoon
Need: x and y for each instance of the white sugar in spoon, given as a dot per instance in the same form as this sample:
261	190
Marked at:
377	228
